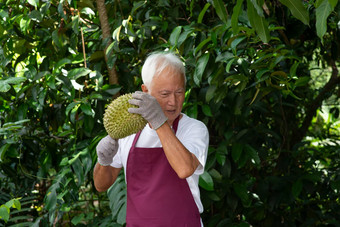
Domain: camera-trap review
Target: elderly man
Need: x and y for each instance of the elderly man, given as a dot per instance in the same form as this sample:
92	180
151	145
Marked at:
162	163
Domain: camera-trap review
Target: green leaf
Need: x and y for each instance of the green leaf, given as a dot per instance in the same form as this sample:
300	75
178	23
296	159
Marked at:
78	72
192	111
51	200
175	35
258	8
210	93
86	108
259	23
206	110
137	5
112	91
61	63
235	42
206	181
242	192
87	11
71	106
322	13
302	81
4	213
184	35
260	73
221	10
35	15
293	68
297	188
200	67
16	204
4	87
78	170
201	15
122	215
33	2
298	10
234	18
77	219
199	47
253	154
236	151
224	57
15	80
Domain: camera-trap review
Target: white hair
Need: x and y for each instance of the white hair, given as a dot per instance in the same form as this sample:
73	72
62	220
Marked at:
156	62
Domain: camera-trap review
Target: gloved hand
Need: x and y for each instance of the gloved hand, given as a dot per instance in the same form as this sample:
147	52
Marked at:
106	149
149	109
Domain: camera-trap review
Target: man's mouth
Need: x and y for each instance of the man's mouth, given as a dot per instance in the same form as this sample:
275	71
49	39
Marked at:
171	111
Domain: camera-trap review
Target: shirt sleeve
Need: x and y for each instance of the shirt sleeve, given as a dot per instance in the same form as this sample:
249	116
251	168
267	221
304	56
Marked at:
117	159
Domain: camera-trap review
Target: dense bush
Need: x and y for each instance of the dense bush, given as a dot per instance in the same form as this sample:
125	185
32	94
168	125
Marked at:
262	75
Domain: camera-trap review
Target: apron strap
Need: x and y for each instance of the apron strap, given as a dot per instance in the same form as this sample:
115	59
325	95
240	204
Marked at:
174	127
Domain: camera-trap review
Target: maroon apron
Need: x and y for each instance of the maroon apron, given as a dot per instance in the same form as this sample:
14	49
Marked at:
156	196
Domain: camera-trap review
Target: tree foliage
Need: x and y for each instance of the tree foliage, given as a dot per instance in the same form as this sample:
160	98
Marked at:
262	75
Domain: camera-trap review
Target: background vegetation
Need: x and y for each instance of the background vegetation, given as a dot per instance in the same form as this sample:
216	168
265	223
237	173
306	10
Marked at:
262	75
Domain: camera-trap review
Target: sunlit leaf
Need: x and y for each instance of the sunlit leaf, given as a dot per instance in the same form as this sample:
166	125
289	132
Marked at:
4	213
4	87
33	2
88	11
78	72
16	204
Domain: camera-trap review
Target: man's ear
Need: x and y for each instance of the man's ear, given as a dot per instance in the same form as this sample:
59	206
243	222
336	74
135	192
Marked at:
144	88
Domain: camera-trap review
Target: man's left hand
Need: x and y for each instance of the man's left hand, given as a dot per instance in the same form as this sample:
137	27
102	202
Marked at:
148	108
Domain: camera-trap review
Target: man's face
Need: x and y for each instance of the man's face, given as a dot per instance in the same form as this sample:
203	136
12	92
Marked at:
169	90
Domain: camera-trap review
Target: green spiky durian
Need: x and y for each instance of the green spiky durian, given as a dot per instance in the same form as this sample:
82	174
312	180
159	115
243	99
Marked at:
118	122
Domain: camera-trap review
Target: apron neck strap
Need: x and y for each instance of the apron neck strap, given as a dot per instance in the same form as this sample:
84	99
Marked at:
175	124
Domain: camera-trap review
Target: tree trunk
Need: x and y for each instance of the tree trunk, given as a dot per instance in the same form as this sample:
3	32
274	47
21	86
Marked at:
106	36
325	93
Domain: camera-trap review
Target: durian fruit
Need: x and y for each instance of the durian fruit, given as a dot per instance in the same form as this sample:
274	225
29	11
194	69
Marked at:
118	122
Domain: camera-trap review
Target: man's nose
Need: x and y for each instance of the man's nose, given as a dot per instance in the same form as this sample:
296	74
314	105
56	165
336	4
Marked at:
172	99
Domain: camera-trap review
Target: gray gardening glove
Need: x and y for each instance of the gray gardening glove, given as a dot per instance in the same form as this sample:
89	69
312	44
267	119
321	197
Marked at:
106	149
149	109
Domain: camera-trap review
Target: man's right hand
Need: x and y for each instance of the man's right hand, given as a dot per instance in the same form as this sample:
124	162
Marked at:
106	149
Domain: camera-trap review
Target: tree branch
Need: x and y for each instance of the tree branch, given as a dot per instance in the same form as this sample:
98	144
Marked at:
299	134
106	35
